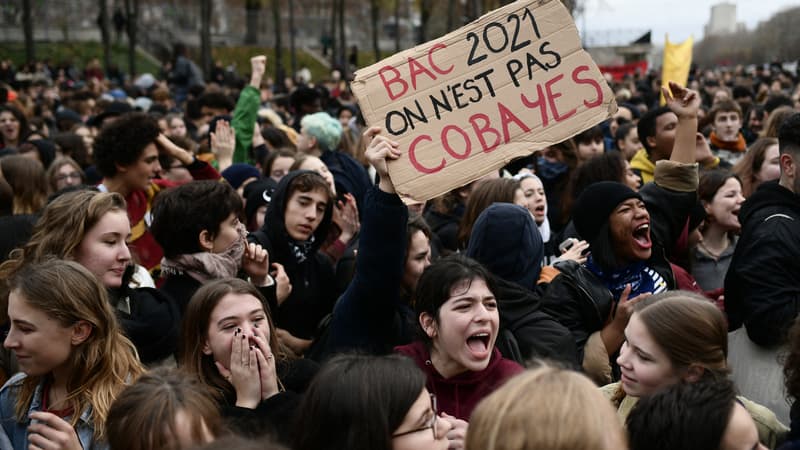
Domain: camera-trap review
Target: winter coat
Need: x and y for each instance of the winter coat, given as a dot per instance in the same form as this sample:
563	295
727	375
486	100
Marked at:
505	240
762	287
313	280
580	301
460	394
371	316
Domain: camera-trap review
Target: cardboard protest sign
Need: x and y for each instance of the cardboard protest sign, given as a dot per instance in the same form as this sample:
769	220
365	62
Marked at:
512	82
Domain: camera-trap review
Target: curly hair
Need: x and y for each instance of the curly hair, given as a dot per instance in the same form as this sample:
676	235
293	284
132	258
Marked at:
122	142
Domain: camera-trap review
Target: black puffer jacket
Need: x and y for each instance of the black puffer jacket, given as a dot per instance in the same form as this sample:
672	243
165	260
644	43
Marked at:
762	287
506	241
313	280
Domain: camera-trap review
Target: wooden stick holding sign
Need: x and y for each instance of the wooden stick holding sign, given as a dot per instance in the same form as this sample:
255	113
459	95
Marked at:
514	81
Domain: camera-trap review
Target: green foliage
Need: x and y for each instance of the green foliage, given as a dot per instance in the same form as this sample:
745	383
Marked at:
78	52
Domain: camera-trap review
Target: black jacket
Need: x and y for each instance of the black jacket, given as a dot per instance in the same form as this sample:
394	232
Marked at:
313	280
762	287
505	239
371	316
181	288
149	318
580	300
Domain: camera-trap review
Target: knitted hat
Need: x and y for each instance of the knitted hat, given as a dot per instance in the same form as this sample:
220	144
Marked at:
238	173
258	193
595	204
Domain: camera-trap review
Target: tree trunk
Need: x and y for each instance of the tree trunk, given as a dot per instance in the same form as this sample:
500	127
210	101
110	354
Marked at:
276	19
334	41
375	15
252	9
343	59
105	34
425	17
292	49
451	15
132	15
205	36
396	26
27	29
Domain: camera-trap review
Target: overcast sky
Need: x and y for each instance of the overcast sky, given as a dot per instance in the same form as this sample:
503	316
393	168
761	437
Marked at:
679	18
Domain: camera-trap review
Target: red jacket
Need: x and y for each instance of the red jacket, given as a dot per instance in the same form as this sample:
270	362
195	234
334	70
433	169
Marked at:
460	394
143	245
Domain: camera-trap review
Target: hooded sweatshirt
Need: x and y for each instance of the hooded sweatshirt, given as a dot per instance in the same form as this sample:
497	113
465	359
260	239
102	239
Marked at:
460	394
312	276
762	286
506	241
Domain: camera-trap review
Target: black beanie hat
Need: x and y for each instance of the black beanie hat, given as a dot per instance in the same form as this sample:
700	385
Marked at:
595	204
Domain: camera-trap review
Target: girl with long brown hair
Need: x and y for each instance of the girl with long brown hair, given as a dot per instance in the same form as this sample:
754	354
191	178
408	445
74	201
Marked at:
73	357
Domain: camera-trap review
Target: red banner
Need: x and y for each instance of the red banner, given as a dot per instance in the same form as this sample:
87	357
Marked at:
619	72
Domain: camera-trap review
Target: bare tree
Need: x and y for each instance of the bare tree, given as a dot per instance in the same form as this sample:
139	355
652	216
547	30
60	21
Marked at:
375	15
276	19
343	40
451	15
396	26
132	14
205	36
105	33
425	17
252	9
292	32
27	29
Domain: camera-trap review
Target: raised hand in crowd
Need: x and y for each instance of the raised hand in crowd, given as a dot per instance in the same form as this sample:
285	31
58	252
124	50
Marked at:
223	143
380	150
345	216
171	149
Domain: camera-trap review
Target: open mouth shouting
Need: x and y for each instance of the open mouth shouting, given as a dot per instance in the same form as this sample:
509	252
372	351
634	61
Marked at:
641	236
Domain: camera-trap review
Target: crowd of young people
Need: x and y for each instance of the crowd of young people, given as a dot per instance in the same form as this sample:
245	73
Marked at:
229	268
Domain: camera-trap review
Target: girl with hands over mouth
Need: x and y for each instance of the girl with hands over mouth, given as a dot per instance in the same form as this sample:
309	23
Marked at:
230	345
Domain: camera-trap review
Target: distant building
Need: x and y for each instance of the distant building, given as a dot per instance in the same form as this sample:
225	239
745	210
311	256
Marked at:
723	20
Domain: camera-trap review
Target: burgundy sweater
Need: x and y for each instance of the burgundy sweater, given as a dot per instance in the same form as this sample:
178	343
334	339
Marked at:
460	394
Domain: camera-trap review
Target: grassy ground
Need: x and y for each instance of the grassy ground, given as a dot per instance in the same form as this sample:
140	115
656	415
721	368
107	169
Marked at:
81	52
78	52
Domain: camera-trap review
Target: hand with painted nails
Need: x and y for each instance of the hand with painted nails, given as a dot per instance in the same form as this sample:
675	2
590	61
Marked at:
242	372
266	366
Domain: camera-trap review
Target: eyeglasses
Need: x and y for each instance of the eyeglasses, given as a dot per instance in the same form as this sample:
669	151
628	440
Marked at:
64	176
431	423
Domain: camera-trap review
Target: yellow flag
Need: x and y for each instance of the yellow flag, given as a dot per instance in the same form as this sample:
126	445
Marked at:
677	61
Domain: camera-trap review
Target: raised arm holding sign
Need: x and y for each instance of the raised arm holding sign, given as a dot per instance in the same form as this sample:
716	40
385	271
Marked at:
514	81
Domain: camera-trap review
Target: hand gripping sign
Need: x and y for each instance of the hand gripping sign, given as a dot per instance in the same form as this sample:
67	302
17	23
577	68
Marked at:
512	82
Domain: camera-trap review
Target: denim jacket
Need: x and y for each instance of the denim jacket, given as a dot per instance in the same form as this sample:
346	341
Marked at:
16	433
